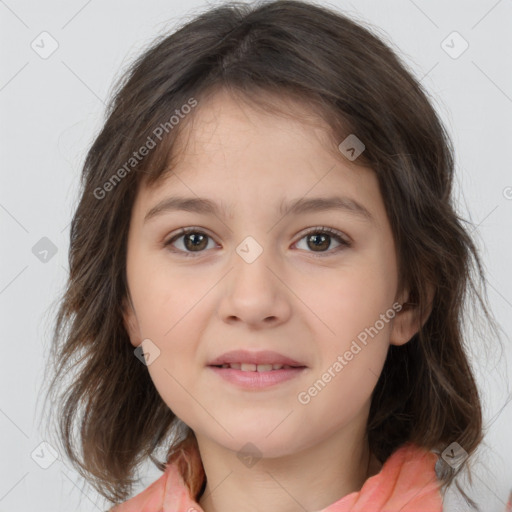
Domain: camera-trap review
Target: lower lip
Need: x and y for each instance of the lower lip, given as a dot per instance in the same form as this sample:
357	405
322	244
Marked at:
257	380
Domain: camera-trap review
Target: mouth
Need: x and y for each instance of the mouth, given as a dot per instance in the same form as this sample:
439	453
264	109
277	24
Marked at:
256	370
250	367
251	361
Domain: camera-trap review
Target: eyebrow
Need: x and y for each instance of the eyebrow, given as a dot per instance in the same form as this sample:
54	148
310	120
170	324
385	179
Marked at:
298	206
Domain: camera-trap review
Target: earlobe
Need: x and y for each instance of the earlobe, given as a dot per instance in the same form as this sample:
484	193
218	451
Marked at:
130	322
408	320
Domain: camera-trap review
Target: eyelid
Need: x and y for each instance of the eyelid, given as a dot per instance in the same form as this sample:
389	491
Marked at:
344	241
185	231
331	231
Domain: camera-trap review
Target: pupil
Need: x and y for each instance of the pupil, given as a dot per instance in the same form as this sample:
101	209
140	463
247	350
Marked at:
195	239
314	237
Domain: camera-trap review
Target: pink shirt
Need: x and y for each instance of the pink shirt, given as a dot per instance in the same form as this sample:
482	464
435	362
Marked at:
407	482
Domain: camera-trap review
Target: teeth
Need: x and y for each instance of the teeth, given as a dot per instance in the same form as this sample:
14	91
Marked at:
250	367
264	368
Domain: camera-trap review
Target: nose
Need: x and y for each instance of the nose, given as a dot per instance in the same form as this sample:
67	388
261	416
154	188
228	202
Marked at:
254	293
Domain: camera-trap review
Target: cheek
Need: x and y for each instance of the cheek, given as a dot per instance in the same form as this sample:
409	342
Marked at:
174	372
336	398
172	386
356	308
349	369
165	298
351	301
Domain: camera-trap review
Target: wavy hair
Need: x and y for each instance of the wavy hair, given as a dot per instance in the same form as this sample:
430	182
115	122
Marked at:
354	81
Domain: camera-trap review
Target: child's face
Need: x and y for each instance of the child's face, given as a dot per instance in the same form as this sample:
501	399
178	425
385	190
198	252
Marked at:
301	297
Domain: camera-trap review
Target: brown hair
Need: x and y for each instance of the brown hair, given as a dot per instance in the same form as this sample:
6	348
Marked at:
353	80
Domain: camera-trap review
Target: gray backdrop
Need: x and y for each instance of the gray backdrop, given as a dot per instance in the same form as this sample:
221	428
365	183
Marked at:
59	60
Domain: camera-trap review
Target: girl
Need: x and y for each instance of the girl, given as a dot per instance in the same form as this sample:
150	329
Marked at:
267	277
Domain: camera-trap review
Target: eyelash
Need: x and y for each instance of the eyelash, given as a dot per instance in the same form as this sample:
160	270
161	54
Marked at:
316	230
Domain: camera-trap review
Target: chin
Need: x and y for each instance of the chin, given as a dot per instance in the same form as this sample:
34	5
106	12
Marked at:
262	438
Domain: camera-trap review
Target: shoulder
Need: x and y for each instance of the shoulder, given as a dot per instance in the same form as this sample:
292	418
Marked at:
407	481
411	459
148	500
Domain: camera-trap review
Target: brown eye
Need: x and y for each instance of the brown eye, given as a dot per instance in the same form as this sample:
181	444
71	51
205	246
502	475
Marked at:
319	240
193	241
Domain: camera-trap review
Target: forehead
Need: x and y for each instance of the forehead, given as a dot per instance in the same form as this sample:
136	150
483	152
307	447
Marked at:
235	152
232	121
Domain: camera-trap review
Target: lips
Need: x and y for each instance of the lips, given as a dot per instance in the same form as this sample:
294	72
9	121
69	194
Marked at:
261	361
256	371
249	367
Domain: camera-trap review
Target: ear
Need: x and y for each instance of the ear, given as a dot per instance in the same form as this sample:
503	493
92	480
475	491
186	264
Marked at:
130	321
408	321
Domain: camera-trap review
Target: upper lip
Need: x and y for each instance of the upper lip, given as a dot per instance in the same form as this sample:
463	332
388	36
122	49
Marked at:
260	357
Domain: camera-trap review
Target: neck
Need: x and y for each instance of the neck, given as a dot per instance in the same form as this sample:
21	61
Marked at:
311	479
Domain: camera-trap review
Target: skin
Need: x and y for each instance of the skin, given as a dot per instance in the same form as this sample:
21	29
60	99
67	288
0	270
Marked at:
288	300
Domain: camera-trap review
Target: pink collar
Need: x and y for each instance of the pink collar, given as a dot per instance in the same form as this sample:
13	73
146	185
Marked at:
407	482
